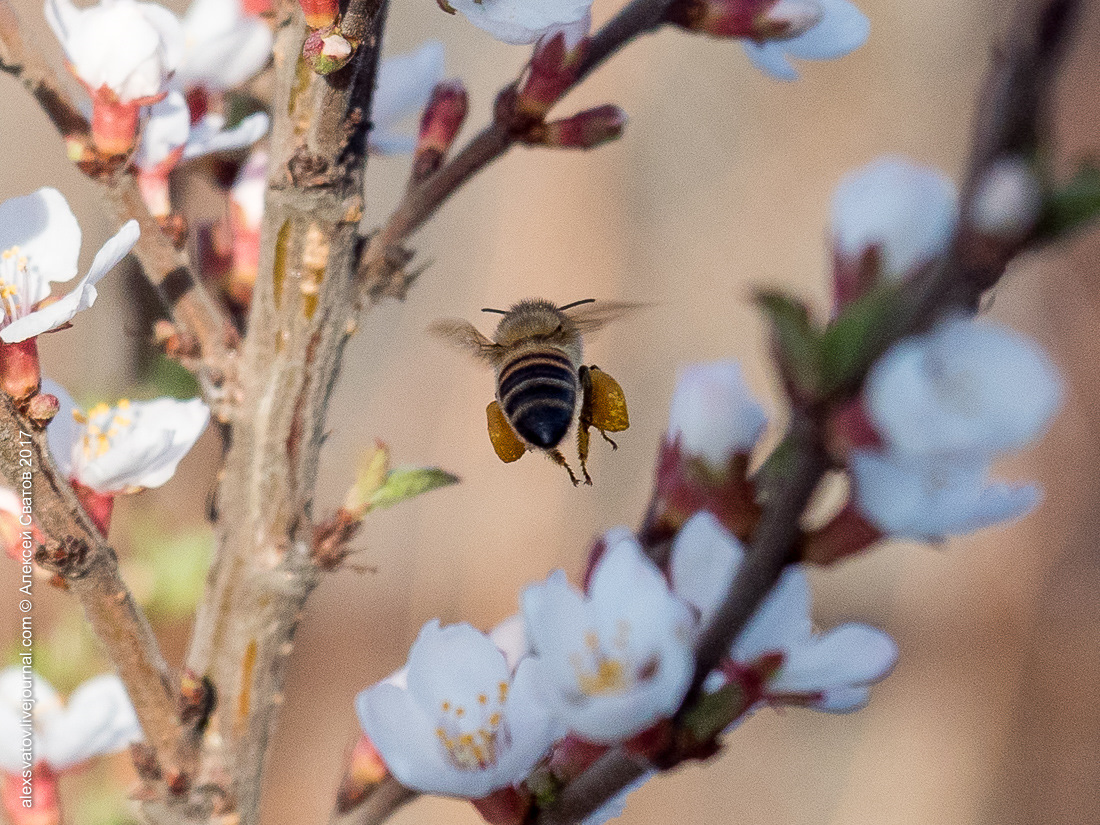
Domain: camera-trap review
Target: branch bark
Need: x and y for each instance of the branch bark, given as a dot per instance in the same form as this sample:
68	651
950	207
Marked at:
303	312
76	551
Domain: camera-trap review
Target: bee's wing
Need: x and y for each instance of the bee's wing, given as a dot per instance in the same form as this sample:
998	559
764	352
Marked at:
465	335
591	317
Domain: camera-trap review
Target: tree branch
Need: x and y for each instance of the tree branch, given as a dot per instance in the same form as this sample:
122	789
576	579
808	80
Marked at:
76	551
1012	119
196	313
383	256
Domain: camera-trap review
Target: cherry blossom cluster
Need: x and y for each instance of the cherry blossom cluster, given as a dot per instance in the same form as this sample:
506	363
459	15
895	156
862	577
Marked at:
938	408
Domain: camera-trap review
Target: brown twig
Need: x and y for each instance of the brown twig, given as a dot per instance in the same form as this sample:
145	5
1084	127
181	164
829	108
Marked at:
76	551
194	310
378	271
1011	119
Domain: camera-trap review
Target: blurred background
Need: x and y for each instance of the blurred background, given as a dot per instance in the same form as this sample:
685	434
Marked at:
721	183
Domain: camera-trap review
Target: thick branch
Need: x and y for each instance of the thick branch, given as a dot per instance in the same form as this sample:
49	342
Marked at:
302	314
75	550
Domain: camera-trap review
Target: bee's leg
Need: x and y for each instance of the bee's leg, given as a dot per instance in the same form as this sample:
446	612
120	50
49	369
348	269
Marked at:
608	439
558	458
582	448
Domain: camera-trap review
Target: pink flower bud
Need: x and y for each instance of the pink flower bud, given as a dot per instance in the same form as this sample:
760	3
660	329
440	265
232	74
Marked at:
320	13
585	130
553	69
20	374
440	123
758	20
42	408
328	50
365	770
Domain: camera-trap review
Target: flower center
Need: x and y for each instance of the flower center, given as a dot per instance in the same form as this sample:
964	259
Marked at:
102	424
14	272
473	738
601	672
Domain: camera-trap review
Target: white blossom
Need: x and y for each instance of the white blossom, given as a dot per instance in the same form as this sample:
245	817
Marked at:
98	719
905	210
224	46
713	413
128	47
463	725
527	21
405	84
617	660
926	499
828	671
40	239
842	29
168	130
129	447
966	389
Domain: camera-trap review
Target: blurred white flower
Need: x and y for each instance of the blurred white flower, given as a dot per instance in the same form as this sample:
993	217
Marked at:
714	414
463	725
965	389
930	498
98	719
126	448
130	48
168	131
223	47
615	661
40	239
828	671
527	21
842	29
405	84
905	210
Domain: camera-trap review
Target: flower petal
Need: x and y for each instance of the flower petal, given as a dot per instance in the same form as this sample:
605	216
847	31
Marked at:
208	136
770	59
45	229
98	719
843	28
849	655
453	664
705	558
83	294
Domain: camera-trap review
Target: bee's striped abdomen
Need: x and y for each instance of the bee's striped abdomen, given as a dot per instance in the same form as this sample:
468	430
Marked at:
538	392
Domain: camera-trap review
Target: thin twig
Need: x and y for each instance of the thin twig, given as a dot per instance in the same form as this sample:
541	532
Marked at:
77	552
423	200
196	313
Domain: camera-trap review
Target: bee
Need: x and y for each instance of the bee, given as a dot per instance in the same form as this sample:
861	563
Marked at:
536	352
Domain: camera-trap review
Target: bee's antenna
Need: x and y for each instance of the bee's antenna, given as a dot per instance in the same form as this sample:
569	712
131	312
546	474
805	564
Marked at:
576	303
497	311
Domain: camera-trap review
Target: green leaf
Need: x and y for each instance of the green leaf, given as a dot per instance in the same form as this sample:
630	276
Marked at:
373	471
1073	205
797	341
855	333
404	483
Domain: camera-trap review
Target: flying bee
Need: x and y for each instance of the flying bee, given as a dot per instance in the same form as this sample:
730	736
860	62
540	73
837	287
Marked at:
536	352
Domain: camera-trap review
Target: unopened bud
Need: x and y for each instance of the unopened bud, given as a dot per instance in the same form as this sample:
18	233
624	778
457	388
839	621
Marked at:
553	69
1007	200
320	13
365	771
327	50
713	414
585	130
758	20
20	374
439	125
42	408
